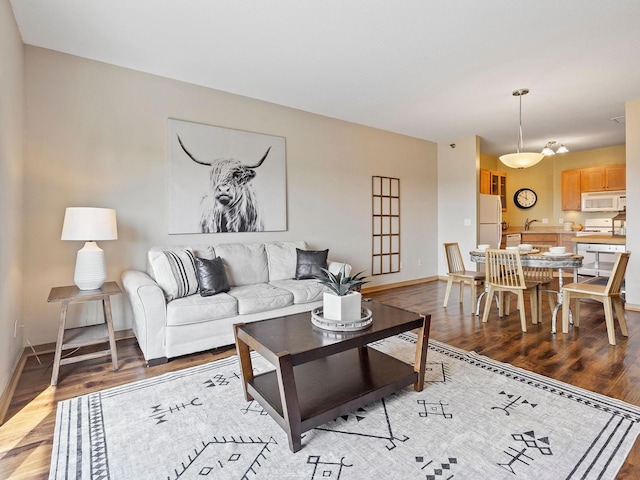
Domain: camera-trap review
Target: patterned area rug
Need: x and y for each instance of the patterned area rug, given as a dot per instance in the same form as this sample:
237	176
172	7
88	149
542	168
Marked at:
475	419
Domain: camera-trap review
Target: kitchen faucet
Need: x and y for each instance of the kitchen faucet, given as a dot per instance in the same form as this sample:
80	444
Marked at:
527	223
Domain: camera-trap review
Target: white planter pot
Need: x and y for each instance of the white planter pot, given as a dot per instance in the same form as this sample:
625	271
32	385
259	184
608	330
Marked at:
345	308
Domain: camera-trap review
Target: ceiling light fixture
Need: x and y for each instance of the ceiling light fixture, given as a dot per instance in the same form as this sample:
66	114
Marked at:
521	159
548	149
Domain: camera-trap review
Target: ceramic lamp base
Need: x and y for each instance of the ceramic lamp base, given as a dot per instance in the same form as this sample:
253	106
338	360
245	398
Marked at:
91	271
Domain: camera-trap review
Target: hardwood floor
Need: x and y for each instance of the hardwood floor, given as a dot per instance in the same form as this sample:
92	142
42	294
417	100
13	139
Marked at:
583	358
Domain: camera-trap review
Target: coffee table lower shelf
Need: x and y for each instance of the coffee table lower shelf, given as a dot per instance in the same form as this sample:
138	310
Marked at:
335	385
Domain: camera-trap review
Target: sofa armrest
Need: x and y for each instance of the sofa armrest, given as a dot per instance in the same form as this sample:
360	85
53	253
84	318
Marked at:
334	267
149	314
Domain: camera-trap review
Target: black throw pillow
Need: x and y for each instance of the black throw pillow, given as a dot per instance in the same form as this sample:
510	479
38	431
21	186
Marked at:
211	276
310	262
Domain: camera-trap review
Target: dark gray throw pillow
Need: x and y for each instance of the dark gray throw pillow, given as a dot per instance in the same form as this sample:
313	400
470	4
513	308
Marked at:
211	276
310	262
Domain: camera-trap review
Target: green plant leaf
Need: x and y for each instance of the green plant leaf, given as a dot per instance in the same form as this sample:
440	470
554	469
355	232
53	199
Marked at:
342	284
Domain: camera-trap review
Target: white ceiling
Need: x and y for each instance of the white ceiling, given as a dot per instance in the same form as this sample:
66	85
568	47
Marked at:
433	69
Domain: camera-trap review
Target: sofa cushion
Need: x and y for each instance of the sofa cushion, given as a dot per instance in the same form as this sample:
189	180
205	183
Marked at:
260	297
310	263
175	272
197	309
202	251
212	278
282	259
245	263
304	291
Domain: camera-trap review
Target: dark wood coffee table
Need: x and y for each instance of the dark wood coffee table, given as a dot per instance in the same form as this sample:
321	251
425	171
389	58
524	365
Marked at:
320	375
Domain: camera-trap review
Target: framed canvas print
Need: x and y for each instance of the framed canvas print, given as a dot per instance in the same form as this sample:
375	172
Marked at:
225	180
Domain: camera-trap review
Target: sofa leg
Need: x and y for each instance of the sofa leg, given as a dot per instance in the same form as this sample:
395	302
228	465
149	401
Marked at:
156	361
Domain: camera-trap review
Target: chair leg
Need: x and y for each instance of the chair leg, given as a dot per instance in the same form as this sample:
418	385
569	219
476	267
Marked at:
472	284
533	300
535	297
461	290
566	305
617	303
608	319
506	304
523	318
447	291
576	313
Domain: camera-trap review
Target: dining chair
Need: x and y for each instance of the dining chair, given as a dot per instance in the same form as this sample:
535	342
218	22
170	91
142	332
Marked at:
504	274
609	295
458	273
544	275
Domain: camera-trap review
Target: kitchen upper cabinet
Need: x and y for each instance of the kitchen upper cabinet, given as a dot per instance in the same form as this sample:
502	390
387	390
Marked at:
616	177
494	183
571	189
608	177
485	181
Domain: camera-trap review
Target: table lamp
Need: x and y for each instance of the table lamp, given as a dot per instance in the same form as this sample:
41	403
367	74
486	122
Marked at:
89	224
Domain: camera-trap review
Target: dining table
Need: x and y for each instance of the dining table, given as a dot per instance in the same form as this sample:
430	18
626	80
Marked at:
533	258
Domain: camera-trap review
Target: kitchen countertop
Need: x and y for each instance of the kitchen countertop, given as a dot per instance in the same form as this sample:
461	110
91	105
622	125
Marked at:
604	239
540	230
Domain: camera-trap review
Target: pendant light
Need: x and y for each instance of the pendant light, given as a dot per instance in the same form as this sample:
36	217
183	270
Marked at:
548	149
521	159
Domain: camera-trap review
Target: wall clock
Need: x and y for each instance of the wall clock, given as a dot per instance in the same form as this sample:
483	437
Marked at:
525	198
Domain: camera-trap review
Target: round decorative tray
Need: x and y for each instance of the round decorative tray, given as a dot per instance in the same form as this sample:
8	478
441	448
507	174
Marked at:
361	323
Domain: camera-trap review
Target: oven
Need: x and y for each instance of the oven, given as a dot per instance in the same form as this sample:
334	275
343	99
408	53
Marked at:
598	257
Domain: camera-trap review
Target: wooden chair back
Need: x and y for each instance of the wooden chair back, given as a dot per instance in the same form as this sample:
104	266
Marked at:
504	269
614	285
539	274
454	258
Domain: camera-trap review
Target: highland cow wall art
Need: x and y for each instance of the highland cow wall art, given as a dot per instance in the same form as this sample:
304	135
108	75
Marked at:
224	180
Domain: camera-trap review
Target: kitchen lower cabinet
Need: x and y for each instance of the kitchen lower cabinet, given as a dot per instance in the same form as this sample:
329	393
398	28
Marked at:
550	239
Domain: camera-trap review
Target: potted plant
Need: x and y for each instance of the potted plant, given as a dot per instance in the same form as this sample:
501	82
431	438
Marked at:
344	301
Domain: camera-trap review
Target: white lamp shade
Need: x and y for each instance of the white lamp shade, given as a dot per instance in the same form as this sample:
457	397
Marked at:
521	159
546	151
85	223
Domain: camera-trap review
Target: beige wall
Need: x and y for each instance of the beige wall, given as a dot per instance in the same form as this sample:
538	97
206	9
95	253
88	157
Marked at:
97	137
490	162
11	131
545	179
632	281
457	196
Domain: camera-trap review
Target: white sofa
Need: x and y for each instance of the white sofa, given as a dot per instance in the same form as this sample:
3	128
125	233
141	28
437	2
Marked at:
262	284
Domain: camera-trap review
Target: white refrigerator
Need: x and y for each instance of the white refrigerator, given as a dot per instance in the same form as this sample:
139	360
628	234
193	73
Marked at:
490	221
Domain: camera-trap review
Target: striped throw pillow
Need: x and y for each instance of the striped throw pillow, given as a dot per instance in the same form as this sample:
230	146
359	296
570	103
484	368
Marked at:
175	272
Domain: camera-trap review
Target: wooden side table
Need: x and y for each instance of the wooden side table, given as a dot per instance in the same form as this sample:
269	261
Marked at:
84	336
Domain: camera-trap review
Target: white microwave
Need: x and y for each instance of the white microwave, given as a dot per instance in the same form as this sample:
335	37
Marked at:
604	201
